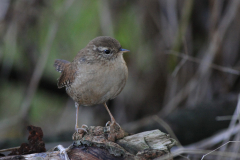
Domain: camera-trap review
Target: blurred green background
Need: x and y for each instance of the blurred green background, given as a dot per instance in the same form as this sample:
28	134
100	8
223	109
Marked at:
183	64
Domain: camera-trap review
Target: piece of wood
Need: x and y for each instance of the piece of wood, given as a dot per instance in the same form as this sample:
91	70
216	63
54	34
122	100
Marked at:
149	140
98	144
41	156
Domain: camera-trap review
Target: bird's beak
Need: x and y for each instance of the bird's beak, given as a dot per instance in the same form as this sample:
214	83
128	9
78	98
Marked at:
124	50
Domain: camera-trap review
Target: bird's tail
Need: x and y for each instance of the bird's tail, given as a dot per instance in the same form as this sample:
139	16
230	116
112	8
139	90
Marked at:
60	64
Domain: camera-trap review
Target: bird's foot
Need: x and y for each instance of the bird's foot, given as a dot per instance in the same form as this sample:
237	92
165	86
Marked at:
80	132
110	123
83	129
114	131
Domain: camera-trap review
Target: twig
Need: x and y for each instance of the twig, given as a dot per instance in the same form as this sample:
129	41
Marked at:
10	43
39	68
235	146
215	139
38	71
9	149
180	151
167	127
218	148
168	26
106	19
184	157
226	118
133	126
182	62
215	14
196	60
184	21
203	70
232	125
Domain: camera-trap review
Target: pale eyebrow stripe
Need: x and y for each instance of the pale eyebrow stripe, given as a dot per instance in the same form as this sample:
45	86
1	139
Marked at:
102	48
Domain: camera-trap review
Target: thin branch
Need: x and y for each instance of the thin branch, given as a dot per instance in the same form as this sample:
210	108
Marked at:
232	124
179	66
9	149
203	70
215	139
196	60
182	62
167	127
38	71
184	21
218	148
226	118
180	151
106	19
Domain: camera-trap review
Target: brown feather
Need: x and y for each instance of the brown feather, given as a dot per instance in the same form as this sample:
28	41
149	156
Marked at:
60	64
67	77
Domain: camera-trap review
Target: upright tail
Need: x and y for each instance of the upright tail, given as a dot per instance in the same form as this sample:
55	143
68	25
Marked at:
60	64
67	75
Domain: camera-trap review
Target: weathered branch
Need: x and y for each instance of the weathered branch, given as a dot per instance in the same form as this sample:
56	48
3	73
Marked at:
109	142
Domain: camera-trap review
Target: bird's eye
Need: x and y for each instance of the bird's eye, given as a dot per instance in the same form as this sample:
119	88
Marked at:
107	51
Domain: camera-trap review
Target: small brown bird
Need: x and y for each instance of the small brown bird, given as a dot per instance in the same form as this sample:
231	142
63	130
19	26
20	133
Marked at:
97	74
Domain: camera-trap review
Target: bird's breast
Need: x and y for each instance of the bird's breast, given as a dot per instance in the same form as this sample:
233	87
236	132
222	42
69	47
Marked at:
98	82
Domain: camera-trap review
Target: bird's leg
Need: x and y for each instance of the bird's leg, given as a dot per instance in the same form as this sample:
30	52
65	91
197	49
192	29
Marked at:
84	127
113	129
77	108
110	114
113	121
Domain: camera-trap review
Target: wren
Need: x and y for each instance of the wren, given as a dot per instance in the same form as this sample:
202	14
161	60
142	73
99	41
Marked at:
97	74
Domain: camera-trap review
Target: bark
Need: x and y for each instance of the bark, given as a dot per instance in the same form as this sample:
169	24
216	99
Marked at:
109	143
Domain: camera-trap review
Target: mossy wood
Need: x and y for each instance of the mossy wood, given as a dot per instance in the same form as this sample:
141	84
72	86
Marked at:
98	144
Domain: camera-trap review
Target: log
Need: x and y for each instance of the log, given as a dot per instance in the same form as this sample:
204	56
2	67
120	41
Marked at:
108	143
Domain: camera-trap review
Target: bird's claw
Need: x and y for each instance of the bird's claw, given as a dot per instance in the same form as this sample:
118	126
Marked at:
83	129
108	123
111	123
